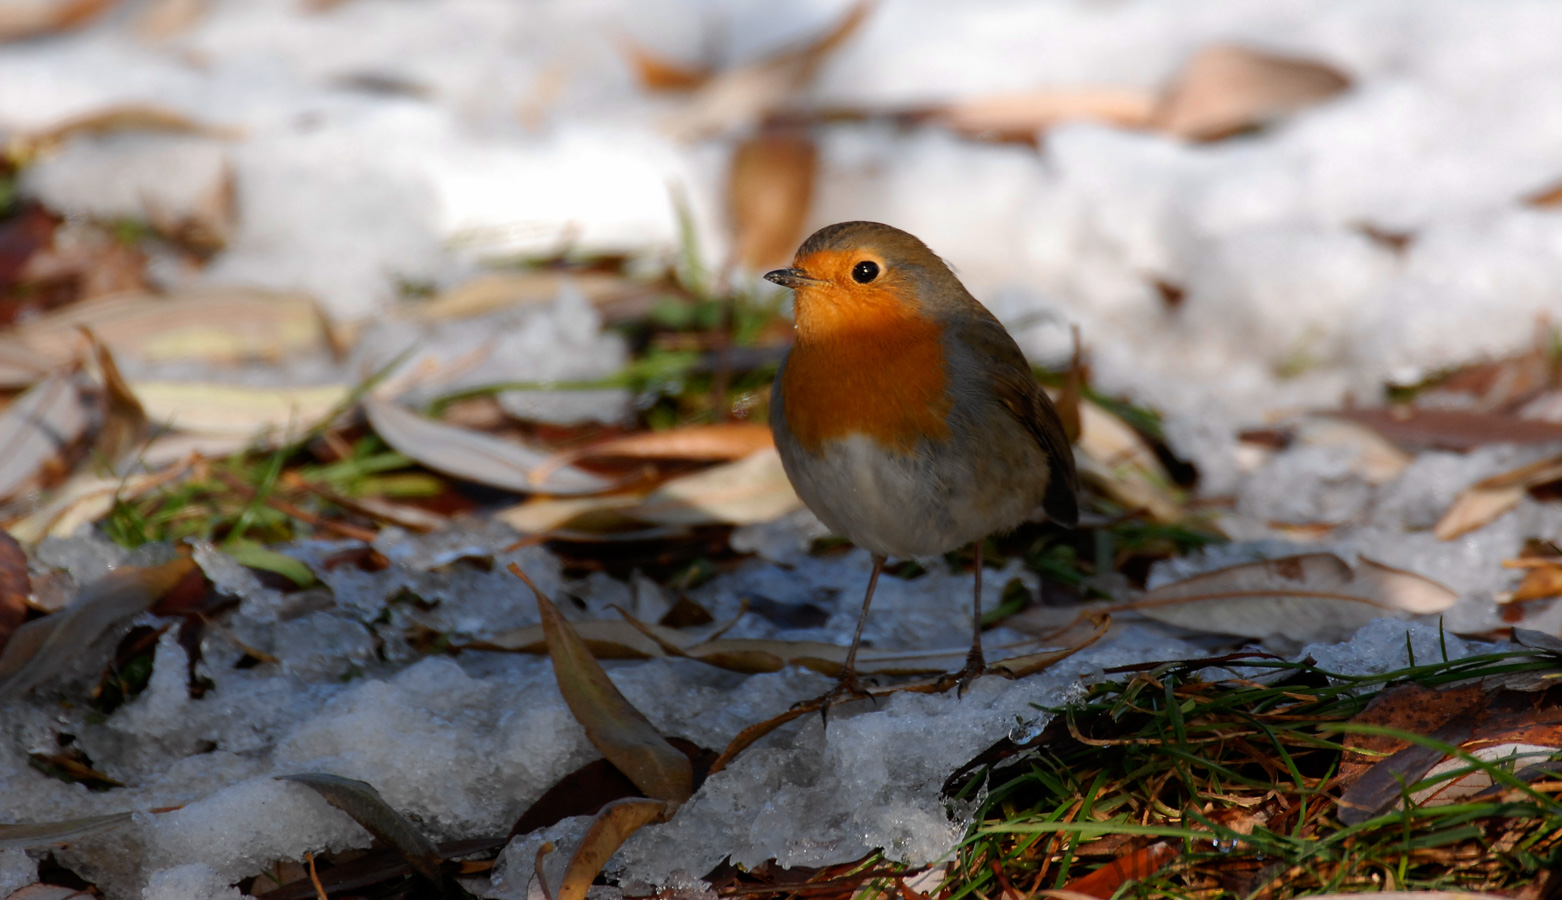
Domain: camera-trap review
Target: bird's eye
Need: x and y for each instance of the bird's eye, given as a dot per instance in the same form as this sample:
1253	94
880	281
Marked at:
865	271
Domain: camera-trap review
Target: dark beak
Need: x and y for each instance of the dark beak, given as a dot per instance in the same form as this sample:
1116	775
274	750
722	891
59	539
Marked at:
792	278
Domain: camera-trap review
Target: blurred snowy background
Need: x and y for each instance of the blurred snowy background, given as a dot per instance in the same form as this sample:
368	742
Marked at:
1257	213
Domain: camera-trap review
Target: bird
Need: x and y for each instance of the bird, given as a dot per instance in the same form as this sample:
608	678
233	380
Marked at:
906	417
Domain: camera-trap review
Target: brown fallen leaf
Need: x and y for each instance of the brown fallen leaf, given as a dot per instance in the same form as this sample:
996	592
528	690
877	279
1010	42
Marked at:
22	19
222	326
702	443
1224	90
43	647
43	834
1484	502
742	96
122	427
162	19
364	804
20	367
41	430
113	120
613	725
657	73
472	455
494	291
769	193
1408	707
1542	579
15	586
1116	460
1104	882
1452	429
751	490
1313	597
1021	117
612	826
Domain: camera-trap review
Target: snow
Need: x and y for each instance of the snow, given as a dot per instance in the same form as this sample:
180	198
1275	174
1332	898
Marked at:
379	149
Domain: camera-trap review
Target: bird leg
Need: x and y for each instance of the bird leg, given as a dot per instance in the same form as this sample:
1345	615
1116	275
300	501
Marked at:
848	687
975	661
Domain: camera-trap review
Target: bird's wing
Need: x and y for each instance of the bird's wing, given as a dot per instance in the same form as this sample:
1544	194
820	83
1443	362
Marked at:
1016	388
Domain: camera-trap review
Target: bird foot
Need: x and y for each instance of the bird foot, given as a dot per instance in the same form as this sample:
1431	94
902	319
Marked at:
846	690
975	667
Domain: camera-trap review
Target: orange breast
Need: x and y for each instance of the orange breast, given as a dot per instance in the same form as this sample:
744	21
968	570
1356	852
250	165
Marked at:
860	366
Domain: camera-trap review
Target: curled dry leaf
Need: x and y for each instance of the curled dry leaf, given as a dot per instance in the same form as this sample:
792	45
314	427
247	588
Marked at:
238	411
222	326
753	489
1313	597
769	193
15	586
657	73
43	647
1113	457
472	455
739	97
44	833
1452	429
40	430
22	19
1021	117
612	826
613	725
1487	500
116	119
1224	90
364	804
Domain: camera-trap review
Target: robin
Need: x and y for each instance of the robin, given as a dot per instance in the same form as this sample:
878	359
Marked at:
906	417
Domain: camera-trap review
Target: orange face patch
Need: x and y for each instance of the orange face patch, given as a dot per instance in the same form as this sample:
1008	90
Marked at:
866	360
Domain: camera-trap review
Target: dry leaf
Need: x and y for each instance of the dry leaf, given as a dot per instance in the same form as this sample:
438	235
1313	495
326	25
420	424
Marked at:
494	291
43	647
239	411
657	73
471	455
123	426
1114	458
1224	90
86	498
612	724
1409	707
1484	502
612	826
21	19
364	804
751	490
769	193
20	366
1313	597
15	586
1104	882
215	325
163	19
692	442
114	120
1021	117
1541	581
1452	429
740	97
44	833
39	430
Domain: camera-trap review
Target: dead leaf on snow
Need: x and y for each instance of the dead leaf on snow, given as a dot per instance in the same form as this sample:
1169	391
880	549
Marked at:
494	291
1115	459
472	455
1542	579
613	725
657	73
22	19
15	586
751	490
1224	90
1484	502
221	326
742	96
612	826
1312	597
770	190
114	120
1022	117
40	430
163	19
43	834
364	804
1452	429
41	648
85	498
233	410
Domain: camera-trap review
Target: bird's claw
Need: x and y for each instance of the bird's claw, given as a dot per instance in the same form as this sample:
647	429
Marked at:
846	690
975	667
